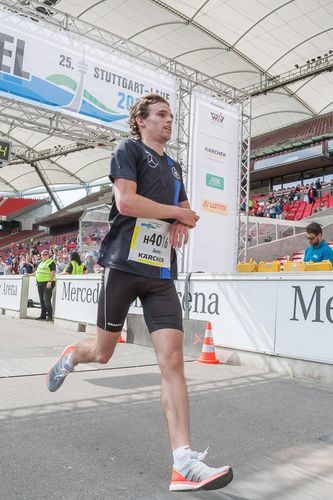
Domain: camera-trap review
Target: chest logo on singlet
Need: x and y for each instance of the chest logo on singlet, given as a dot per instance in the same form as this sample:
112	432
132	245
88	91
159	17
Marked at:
151	160
175	173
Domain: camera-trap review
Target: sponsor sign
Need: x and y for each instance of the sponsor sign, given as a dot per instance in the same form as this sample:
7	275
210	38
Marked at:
292	319
10	292
214	154
214	300
214	181
73	75
217	118
305	320
214	206
77	298
215	147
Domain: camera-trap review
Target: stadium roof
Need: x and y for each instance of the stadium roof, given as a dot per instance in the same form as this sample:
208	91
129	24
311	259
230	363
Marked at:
248	45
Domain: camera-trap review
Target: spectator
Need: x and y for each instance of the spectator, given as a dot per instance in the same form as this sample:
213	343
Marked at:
8	267
90	263
292	195
312	193
15	266
28	267
318	249
2	266
318	188
260	211
255	207
271	209
45	278
65	255
75	266
61	263
278	210
298	192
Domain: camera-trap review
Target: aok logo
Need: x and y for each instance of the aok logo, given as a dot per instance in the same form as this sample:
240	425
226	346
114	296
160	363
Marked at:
217	118
215	181
214	206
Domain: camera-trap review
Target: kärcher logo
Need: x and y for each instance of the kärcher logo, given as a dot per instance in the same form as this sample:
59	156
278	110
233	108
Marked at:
215	154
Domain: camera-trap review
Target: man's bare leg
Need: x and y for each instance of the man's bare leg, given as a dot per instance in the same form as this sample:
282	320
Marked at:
97	350
168	344
189	472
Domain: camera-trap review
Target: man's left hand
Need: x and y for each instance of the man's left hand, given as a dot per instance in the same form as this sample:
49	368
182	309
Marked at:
178	235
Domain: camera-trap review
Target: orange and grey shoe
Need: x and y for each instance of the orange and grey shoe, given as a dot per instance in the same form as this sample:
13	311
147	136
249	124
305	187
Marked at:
194	475
57	374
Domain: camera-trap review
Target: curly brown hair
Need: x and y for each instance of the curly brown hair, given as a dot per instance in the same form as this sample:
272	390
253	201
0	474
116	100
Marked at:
141	108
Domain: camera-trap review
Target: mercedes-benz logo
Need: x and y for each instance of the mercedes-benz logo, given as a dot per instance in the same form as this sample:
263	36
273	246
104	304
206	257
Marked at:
151	160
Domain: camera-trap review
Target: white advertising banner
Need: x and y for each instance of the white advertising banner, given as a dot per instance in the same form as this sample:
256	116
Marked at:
69	74
304	327
232	307
77	298
214	179
10	292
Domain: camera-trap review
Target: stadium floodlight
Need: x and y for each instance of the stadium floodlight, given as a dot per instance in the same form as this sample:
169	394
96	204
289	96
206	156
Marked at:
5	149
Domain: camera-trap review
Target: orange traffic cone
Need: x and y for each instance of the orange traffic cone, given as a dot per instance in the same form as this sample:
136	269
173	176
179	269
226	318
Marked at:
208	350
120	339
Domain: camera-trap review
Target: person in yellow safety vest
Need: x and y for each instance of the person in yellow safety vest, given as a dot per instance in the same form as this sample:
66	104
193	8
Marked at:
75	266
46	280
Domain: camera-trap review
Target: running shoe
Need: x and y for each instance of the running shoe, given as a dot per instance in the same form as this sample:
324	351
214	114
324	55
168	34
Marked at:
194	475
56	376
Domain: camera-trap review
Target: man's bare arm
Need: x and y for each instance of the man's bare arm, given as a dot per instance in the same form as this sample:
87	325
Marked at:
178	231
134	205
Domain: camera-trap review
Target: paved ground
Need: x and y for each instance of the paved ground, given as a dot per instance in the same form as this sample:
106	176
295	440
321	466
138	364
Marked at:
102	436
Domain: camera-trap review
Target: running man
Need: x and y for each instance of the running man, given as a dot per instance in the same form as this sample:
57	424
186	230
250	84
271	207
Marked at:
149	218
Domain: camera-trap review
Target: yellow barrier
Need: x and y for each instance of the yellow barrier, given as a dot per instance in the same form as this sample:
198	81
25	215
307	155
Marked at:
269	267
247	267
288	266
292	267
324	265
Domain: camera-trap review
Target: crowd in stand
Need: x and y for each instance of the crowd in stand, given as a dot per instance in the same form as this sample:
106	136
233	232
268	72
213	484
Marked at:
24	259
277	204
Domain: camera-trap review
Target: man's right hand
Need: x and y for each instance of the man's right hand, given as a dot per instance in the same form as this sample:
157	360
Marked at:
187	217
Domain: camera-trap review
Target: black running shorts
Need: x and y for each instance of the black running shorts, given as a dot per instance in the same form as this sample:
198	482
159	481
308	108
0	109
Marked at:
159	299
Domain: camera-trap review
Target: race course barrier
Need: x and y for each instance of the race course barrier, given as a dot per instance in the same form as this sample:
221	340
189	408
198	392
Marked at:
289	315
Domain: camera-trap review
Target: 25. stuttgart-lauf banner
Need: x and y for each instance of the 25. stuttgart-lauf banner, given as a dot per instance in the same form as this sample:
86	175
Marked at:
67	73
214	185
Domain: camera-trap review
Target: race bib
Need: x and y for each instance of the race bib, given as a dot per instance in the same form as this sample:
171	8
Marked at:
150	243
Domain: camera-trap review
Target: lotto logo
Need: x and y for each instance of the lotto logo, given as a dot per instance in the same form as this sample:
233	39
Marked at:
214	206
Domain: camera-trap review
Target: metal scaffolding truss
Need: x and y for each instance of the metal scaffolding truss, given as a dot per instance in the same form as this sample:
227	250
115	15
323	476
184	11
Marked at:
310	69
17	114
244	180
